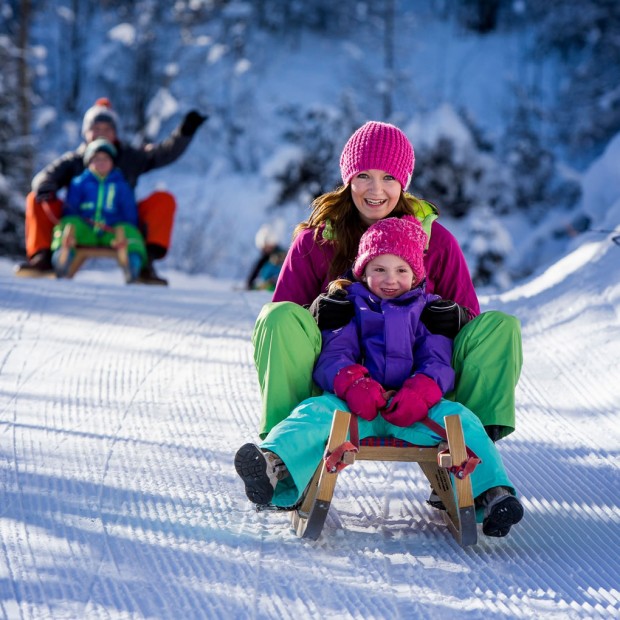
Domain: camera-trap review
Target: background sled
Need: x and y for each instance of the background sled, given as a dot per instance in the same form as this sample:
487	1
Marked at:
460	515
83	253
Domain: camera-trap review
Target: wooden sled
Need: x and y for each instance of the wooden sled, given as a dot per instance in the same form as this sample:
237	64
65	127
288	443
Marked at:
460	515
83	253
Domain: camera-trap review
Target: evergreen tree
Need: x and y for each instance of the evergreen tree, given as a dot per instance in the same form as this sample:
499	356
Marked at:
585	36
15	158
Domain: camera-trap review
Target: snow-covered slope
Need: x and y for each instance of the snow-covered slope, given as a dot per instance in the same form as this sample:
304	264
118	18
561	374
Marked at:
121	409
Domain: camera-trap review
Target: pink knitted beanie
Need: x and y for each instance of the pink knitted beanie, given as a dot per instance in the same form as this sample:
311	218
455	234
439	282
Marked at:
378	146
402	237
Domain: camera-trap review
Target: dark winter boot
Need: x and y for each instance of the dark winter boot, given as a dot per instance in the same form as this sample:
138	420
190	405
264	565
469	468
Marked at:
148	275
501	511
260	472
37	266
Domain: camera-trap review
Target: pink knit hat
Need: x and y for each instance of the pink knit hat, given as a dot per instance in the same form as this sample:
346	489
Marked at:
402	237
378	146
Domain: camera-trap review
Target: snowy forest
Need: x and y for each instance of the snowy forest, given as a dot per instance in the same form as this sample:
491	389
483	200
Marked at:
507	103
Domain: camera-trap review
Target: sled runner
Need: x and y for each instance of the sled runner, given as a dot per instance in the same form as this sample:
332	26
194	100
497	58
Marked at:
454	490
82	253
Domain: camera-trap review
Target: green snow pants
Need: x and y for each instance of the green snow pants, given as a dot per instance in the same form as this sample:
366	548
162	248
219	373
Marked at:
300	442
86	235
487	360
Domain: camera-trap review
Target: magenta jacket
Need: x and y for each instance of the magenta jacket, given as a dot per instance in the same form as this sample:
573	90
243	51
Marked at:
305	273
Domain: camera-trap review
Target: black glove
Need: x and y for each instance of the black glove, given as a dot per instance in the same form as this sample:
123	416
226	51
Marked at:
445	317
191	122
332	312
45	192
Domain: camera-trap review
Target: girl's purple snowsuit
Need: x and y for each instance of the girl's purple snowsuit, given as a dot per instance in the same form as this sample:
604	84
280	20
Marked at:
389	339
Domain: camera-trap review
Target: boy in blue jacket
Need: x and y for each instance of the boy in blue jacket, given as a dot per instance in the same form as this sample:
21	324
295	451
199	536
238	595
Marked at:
98	201
389	370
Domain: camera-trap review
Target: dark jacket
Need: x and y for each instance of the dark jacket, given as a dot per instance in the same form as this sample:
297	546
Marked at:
132	162
389	339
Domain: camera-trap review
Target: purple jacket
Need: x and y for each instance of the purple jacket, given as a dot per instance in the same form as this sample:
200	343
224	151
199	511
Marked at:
305	273
387	337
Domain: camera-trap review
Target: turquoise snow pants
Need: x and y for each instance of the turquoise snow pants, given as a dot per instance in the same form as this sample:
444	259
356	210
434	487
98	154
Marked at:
300	440
487	360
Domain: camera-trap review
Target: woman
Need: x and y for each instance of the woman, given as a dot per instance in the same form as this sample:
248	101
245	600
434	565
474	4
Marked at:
376	165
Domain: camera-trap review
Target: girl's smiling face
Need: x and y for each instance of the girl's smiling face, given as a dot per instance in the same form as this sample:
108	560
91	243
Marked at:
388	276
375	194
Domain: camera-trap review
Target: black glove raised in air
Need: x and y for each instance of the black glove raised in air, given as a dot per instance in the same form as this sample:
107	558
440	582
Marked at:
445	317
332	312
191	122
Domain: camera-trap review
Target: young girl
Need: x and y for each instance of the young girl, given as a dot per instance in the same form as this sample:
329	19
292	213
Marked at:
97	201
389	370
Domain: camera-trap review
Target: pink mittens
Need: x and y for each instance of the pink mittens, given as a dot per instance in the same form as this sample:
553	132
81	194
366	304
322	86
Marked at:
412	402
363	395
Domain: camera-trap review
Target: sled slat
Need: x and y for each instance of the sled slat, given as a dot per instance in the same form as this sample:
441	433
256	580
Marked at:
83	253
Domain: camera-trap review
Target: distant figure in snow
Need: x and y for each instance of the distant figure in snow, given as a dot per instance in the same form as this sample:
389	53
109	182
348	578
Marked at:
97	202
387	368
155	212
266	269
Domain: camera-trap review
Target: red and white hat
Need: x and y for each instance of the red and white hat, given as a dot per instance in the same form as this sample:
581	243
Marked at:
401	236
101	112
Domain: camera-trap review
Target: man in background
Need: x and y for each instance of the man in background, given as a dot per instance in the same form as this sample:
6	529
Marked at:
155	212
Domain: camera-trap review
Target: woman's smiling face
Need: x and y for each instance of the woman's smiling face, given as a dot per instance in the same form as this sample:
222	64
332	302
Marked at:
375	194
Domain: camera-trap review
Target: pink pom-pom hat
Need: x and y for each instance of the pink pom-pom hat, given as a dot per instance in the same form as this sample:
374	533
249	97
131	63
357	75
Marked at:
402	237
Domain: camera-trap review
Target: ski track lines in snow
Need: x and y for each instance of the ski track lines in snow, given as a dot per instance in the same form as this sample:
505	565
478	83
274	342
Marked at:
570	463
120	412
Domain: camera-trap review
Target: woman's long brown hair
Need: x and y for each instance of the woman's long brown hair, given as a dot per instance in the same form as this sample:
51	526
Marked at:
345	227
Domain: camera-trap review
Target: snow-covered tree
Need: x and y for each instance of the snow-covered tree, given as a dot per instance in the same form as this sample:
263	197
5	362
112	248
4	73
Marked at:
584	35
15	156
487	246
316	136
456	170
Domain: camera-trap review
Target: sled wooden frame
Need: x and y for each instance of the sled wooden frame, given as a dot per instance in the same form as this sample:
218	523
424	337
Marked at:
456	494
83	253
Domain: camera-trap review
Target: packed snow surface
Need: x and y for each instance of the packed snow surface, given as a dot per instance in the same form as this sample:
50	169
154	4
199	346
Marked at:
121	408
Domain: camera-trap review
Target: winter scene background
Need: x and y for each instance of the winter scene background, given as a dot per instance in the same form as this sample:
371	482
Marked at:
121	407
